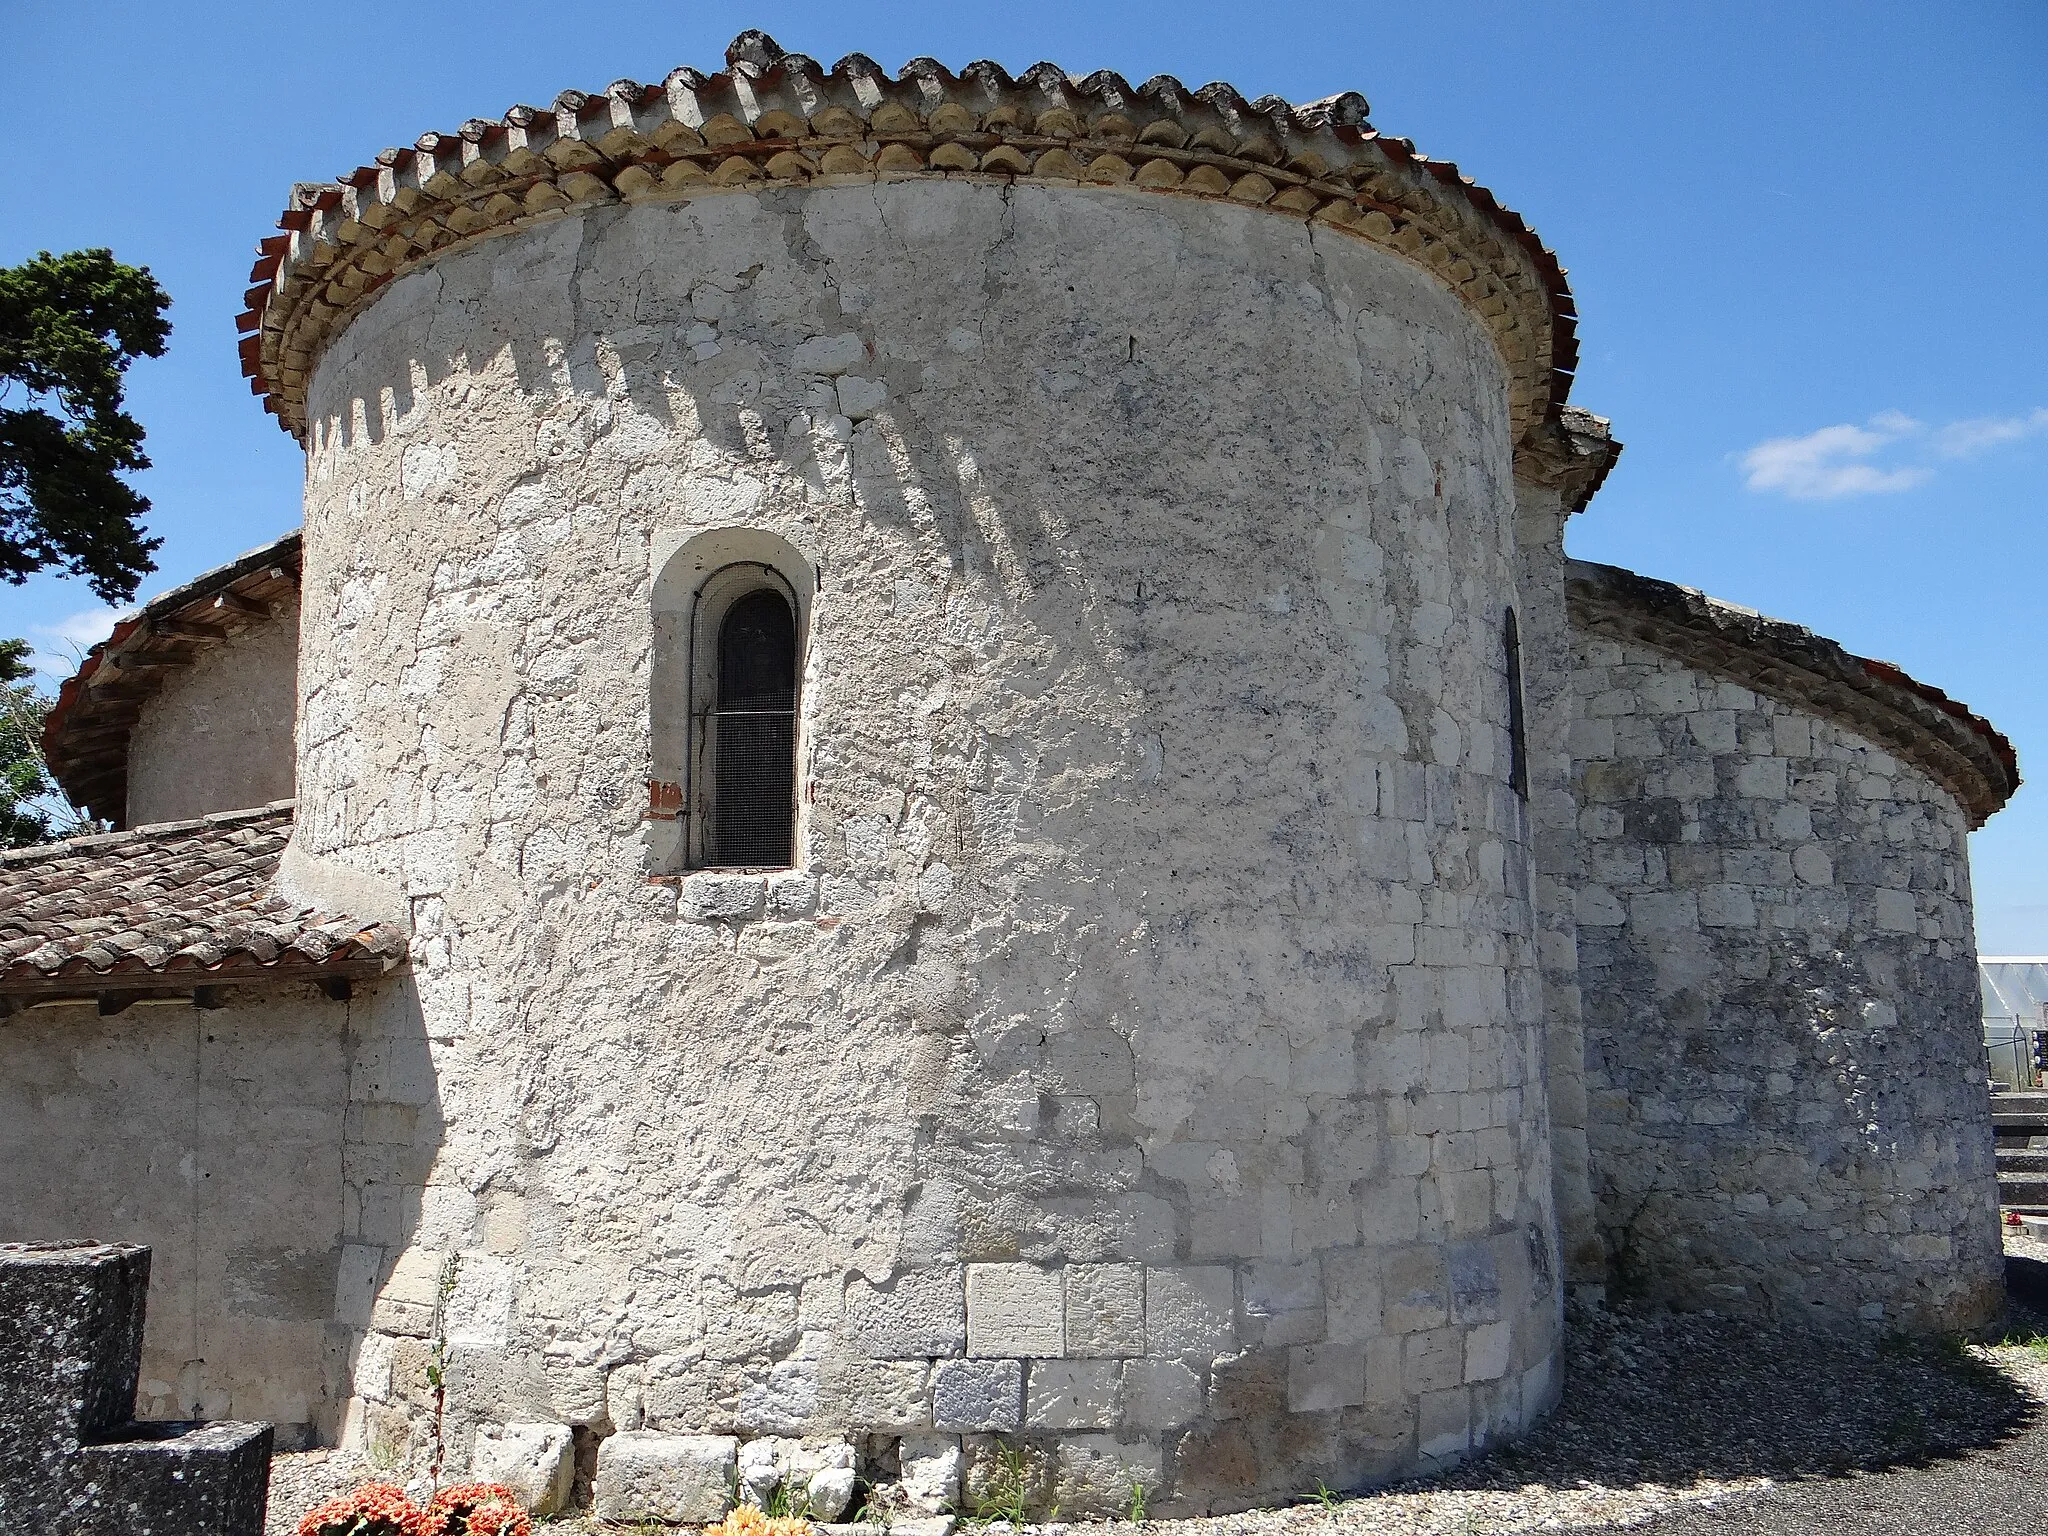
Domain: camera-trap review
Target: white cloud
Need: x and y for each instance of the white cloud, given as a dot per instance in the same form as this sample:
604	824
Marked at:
1890	452
62	645
1961	439
1833	462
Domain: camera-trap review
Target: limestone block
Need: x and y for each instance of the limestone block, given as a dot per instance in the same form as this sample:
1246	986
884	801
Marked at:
372	1375
1160	1394
537	1462
1287	1298
762	1464
880	1396
829	1491
1416	1289
1486	1352
809	1457
623	1405
860	398
642	1475
1190	1311
919	1313
491	1385
1323	1376
1105	1310
1014	1310
1351	1284
1895	911
1663	911
786	1400
997	1468
829	355
1475	1283
1094	1474
1383	1357
355	1283
928	1471
719	898
411	1294
1389	1211
791	897
1762	778
1444	1425
1726	906
978	1396
1072	1394
1792	735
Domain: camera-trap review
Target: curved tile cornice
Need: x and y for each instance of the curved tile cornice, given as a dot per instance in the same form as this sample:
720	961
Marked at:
772	118
1915	721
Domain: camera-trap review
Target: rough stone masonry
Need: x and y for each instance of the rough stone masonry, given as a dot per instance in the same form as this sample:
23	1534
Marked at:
1227	982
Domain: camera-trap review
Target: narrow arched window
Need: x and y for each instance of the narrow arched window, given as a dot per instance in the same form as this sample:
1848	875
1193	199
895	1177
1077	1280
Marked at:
749	735
1518	728
731	614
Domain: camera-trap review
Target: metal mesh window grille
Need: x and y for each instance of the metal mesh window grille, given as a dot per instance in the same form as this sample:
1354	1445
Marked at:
750	736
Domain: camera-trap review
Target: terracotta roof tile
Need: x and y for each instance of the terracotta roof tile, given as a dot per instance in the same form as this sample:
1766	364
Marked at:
185	901
86	735
774	118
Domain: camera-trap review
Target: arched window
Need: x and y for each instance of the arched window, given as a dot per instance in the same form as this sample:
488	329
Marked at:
748	740
1518	728
731	614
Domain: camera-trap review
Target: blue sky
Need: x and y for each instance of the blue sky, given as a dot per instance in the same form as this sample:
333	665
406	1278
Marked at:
1806	242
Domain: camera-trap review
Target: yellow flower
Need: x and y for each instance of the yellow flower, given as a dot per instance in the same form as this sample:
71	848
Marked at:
747	1520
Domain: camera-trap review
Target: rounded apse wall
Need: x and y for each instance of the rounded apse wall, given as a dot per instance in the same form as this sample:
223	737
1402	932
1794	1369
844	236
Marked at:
1784	1052
1140	1059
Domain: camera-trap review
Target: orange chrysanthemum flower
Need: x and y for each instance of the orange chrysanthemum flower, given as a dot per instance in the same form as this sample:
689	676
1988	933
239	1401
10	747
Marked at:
474	1509
375	1509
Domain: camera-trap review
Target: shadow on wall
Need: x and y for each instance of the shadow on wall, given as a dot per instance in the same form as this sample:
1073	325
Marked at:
392	1133
220	1138
1003	506
1159	715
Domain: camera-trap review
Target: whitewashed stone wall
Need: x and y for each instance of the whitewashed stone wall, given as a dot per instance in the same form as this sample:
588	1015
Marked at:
1787	1103
216	1137
1144	1062
217	735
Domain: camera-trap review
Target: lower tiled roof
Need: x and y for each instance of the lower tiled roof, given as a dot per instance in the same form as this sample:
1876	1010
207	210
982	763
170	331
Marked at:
181	904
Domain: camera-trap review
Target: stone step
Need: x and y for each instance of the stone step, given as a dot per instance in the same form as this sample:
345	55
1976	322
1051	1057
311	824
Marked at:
2025	1189
2022	1160
2021	1098
2036	1124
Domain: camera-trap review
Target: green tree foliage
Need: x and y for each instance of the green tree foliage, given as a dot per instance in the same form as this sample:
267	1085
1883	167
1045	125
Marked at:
69	327
23	778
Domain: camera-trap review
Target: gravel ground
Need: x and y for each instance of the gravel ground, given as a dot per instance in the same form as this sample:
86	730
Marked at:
1677	1425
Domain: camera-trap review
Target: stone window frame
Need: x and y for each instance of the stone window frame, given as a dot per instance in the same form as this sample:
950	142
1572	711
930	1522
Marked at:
695	587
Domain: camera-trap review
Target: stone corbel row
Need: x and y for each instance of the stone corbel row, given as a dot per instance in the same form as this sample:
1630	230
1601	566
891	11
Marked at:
778	119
